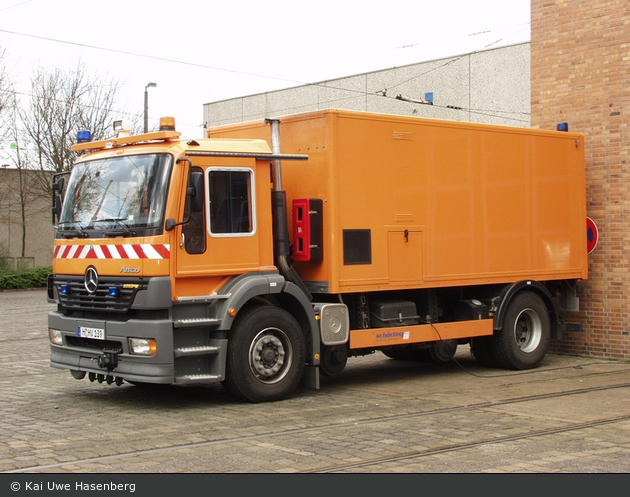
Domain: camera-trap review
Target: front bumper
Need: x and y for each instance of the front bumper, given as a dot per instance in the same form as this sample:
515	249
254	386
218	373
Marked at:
81	354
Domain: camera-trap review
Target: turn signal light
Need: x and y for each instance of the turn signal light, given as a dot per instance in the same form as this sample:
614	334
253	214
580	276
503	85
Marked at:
142	346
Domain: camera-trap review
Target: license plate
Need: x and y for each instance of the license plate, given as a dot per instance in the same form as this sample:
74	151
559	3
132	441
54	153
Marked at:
86	332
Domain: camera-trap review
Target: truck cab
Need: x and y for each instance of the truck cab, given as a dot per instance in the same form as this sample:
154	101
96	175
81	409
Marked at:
161	245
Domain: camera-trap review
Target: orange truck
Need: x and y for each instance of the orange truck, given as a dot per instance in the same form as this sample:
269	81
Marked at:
234	259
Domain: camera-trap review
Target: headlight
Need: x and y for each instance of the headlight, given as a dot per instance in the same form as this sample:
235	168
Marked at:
55	336
142	346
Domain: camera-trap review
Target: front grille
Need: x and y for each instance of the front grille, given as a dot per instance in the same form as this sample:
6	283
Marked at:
77	298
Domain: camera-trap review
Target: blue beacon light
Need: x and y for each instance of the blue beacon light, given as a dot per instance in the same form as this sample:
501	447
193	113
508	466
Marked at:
84	136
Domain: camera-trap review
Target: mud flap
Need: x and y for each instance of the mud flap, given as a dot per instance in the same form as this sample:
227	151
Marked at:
310	379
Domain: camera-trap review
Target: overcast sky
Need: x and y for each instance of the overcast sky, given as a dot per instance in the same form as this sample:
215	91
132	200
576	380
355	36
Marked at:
205	51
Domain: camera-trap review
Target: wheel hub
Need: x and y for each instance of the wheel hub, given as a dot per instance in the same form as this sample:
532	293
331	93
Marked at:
267	356
528	330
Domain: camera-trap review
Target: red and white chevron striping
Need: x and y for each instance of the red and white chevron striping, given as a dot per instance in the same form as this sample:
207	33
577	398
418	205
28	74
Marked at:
123	251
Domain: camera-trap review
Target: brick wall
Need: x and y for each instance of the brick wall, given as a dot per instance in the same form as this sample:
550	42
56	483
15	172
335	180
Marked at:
580	70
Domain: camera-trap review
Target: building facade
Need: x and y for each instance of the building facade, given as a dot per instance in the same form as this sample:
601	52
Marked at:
25	220
580	70
491	86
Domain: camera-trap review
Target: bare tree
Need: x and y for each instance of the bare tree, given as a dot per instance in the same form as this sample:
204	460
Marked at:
24	193
7	97
45	128
63	103
20	188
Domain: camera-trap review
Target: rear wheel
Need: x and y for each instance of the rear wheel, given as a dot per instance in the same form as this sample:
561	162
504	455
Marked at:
443	351
524	340
266	355
398	352
481	349
411	352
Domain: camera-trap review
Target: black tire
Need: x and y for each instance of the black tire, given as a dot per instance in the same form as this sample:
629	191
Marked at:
418	353
266	355
413	352
388	353
402	353
524	340
443	351
393	352
481	349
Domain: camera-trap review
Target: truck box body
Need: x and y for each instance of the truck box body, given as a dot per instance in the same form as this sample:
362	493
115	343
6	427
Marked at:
418	203
272	251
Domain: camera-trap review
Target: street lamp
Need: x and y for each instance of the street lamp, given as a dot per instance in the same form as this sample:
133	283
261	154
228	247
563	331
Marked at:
146	105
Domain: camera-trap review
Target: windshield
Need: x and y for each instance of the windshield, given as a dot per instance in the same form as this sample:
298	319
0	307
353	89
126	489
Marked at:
123	193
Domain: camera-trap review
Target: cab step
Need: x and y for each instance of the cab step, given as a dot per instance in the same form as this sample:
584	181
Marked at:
196	351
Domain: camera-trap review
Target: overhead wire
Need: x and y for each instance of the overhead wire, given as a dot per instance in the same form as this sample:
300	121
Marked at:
150	57
323	84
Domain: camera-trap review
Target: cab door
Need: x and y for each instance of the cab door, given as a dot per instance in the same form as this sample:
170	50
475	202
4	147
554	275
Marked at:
223	238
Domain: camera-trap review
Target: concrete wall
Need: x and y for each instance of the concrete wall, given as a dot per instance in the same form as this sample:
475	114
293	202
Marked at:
492	86
39	232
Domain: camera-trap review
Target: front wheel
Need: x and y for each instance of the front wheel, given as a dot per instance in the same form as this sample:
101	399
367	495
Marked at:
524	340
266	355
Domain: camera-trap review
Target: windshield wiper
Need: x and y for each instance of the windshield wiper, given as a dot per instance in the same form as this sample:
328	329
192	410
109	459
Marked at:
118	221
75	230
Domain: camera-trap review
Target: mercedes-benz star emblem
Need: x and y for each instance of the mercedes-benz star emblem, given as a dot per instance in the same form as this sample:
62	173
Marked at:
91	280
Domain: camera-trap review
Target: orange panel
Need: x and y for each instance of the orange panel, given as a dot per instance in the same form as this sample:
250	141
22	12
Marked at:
402	335
490	204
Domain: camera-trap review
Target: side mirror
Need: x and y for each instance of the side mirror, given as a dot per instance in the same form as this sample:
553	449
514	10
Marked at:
195	191
56	209
57	186
57	189
194	196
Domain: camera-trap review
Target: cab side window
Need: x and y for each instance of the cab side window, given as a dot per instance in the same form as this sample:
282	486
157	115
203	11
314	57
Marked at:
231	201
